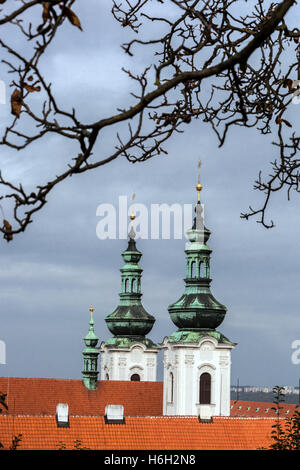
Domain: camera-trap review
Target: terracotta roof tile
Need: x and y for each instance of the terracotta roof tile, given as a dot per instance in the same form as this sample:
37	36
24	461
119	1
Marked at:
260	409
40	396
153	433
36	397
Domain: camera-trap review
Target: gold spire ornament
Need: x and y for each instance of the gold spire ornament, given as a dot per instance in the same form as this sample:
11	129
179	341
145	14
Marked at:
91	310
199	186
132	233
132	215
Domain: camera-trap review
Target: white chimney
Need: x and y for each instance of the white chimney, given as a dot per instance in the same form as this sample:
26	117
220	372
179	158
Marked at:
205	413
114	414
62	415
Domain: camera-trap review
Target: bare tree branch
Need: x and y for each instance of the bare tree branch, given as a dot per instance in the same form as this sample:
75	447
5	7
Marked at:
241	59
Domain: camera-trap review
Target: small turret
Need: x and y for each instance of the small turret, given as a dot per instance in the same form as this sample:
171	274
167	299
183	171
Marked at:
90	357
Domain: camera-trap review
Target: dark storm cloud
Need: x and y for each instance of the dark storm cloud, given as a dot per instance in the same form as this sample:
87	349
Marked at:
53	272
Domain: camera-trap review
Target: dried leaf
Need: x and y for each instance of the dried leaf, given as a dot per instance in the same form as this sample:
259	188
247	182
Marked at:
279	120
46	11
8	235
287	123
16	102
30	78
31	88
288	83
72	17
6	224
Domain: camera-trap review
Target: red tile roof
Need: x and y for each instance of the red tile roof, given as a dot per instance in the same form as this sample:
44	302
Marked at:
260	409
32	408
146	433
38	397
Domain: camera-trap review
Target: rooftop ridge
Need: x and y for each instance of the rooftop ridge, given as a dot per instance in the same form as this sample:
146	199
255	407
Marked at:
231	418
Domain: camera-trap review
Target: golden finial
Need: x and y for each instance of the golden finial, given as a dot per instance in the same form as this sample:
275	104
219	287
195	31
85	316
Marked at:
92	310
132	215
199	186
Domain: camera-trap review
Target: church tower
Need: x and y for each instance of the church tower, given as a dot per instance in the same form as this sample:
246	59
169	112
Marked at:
197	357
90	357
129	355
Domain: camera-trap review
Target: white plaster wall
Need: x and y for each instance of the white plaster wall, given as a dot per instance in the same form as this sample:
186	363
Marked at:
123	363
187	363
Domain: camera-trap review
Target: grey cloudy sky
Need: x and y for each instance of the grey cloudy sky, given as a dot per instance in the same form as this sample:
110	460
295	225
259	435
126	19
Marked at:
52	273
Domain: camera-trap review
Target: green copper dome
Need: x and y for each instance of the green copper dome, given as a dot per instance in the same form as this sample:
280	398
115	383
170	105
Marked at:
91	339
197	308
130	318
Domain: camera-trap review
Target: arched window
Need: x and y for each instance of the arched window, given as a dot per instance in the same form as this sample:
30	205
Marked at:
171	388
135	378
192	268
205	389
133	285
200	268
126	285
207	268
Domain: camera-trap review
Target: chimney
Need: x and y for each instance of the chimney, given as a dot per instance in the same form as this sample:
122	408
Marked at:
114	414
205	413
62	415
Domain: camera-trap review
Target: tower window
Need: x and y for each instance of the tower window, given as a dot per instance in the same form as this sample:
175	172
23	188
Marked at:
135	378
205	389
126	285
193	264
171	388
200	269
205	268
133	285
